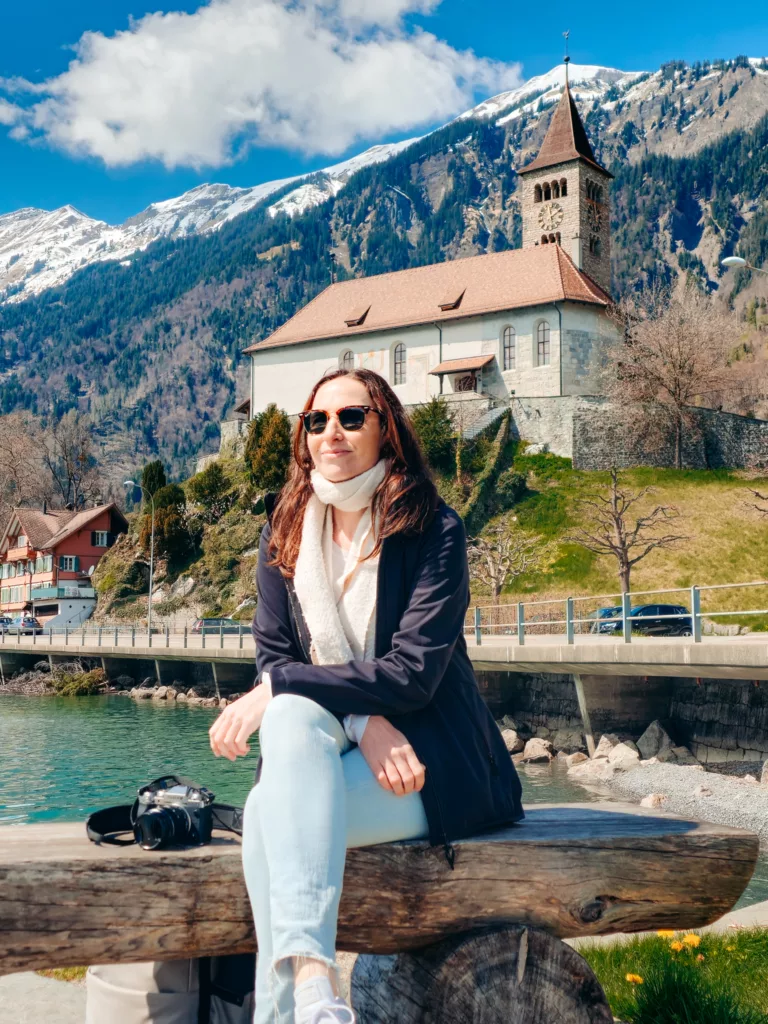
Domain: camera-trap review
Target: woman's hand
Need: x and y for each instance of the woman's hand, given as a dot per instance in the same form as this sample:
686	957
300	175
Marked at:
391	757
230	732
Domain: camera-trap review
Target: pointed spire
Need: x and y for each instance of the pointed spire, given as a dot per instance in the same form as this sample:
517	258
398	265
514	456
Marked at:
566	138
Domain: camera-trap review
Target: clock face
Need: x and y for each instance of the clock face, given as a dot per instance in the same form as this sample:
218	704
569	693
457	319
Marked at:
594	216
550	216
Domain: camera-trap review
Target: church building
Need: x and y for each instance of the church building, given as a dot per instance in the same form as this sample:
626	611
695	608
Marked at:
517	329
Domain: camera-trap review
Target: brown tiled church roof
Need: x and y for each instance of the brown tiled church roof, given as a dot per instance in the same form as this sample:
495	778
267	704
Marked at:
565	140
406	298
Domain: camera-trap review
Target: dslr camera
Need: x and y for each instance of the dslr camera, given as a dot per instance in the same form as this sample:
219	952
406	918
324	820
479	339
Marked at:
172	811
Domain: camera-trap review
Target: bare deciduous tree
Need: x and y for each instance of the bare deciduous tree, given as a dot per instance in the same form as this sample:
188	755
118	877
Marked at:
611	530
67	452
23	479
503	554
675	352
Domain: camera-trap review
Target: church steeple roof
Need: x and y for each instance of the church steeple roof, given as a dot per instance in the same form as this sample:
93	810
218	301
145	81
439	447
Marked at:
565	140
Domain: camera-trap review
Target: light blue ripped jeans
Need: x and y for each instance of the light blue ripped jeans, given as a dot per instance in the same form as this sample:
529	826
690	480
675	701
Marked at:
315	798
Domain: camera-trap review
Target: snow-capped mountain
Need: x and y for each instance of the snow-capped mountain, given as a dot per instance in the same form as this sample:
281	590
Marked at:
40	248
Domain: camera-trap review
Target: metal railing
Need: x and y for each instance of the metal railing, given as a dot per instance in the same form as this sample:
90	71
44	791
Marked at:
568	616
108	635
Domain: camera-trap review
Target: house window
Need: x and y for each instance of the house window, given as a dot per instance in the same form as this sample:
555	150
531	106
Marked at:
101	537
5	595
48	563
347	361
19	568
508	346
68	563
399	374
542	344
21	541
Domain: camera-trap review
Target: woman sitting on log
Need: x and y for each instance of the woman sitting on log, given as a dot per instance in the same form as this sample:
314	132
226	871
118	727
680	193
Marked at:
372	727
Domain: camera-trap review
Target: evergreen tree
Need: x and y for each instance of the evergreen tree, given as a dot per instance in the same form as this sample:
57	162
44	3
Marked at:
153	477
207	487
435	432
271	454
170	496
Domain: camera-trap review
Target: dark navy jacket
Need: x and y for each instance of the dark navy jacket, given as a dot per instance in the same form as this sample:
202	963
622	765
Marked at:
421	677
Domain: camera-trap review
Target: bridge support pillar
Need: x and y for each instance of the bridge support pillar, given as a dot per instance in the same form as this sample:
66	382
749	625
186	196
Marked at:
585	719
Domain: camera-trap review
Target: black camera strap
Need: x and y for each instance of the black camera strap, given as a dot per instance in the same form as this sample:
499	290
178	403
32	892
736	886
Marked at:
111	824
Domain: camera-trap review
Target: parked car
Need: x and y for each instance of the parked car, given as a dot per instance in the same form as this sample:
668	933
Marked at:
654	620
27	625
216	626
5	621
600	626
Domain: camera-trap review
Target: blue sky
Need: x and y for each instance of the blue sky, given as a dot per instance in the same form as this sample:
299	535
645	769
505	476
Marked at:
69	155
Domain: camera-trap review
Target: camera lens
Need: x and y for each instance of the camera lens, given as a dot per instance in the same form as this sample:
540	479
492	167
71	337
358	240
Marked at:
159	826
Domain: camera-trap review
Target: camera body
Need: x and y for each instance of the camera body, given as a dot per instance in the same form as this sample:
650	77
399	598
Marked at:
172	811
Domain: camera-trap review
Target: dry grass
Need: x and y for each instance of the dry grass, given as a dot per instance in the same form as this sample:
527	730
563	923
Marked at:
726	541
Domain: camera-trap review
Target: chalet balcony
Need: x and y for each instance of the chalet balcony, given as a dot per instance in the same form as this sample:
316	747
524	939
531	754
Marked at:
56	593
17	554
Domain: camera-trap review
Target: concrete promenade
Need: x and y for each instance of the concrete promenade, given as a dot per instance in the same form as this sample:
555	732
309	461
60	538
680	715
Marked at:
741	657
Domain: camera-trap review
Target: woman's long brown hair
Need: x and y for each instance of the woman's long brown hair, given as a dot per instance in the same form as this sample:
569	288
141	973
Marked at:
404	502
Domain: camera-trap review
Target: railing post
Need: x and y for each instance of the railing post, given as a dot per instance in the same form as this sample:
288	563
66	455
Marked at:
185	636
202	633
99	640
149	636
478	633
626	618
133	636
221	634
569	620
167	637
66	636
117	637
240	634
520	623
696	614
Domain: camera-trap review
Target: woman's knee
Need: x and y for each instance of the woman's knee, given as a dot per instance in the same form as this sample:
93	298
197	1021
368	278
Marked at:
289	719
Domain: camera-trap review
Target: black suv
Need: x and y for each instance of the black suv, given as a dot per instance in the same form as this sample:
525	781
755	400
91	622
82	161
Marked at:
662	620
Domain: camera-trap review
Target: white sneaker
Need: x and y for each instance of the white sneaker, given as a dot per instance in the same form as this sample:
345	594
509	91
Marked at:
336	1012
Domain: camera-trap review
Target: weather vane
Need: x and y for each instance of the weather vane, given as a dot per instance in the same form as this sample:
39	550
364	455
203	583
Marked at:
566	58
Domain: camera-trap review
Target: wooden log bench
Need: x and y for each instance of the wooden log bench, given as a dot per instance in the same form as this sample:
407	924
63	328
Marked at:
479	944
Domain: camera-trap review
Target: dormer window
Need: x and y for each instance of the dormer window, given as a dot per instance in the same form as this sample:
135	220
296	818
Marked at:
451	302
357	316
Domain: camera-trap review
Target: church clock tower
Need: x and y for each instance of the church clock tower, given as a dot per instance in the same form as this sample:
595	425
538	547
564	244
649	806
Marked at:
566	195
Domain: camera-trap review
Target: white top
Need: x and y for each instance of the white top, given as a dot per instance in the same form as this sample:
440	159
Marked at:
338	575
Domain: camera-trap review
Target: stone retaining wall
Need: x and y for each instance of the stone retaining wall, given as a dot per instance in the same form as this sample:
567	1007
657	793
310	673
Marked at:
718	719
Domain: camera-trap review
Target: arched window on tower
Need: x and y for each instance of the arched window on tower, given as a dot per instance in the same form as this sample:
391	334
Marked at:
347	361
537	193
598	193
399	363
589	190
547	192
542	344
544	239
555	190
557	236
563	186
552	238
597	248
508	348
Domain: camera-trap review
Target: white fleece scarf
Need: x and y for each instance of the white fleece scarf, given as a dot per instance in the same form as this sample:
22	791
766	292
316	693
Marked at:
339	633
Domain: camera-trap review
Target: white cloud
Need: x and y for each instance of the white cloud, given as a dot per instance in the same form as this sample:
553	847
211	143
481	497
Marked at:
196	89
9	112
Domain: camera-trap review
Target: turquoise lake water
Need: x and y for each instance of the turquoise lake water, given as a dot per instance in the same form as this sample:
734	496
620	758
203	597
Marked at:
61	758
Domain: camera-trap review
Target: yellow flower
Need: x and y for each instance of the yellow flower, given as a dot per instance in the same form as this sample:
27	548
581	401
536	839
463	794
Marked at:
666	933
634	979
692	940
676	946
730	949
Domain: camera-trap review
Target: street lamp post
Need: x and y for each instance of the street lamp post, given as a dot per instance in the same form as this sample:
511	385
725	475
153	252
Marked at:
738	263
130	483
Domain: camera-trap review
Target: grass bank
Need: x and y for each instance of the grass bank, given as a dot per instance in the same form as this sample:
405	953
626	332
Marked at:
725	537
685	978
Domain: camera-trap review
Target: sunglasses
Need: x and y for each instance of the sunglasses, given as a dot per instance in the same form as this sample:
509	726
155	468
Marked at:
351	417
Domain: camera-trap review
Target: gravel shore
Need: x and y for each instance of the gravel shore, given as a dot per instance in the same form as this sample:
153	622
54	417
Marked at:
730	800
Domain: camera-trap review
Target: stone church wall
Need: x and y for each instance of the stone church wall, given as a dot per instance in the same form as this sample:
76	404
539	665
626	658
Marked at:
603	436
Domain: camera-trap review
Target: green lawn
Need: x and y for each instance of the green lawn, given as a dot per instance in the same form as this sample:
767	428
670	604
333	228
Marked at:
686	978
